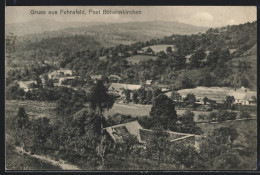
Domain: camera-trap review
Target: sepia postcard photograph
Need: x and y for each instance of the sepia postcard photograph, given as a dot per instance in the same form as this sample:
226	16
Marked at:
119	88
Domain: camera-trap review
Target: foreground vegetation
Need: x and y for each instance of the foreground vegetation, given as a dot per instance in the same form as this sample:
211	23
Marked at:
16	161
76	136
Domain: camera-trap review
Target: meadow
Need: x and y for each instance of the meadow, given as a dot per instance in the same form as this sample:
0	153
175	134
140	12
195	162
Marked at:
143	110
158	48
137	58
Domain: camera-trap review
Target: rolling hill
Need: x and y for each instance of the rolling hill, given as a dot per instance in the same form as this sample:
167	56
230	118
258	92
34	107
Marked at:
109	34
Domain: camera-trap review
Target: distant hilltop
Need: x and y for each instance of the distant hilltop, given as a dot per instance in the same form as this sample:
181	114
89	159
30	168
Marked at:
163	28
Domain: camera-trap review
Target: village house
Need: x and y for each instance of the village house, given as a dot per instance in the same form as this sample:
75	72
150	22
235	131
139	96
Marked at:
129	53
114	78
96	77
26	85
42	79
164	88
119	133
244	97
102	58
148	82
120	54
188	58
141	51
118	88
60	73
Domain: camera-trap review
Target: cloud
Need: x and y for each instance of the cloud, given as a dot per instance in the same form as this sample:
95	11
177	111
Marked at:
200	19
231	21
203	17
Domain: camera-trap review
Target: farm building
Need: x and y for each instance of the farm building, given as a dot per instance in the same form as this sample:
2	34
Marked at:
118	133
244	98
62	79
117	88
26	85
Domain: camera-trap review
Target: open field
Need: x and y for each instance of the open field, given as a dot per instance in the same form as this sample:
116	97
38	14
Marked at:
137	58
142	110
158	48
129	109
34	109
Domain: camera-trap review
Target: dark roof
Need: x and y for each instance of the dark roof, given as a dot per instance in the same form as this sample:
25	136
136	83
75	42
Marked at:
118	132
121	131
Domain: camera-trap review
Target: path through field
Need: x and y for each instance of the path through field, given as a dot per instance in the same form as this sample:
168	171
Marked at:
60	163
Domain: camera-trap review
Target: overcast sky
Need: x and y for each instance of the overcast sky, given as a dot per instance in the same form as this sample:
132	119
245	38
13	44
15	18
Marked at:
207	16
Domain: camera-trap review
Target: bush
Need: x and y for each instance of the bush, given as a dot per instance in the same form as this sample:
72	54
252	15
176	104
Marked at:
245	114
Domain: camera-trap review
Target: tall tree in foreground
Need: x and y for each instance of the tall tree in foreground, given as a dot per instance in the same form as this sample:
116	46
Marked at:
163	111
100	100
158	146
22	118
